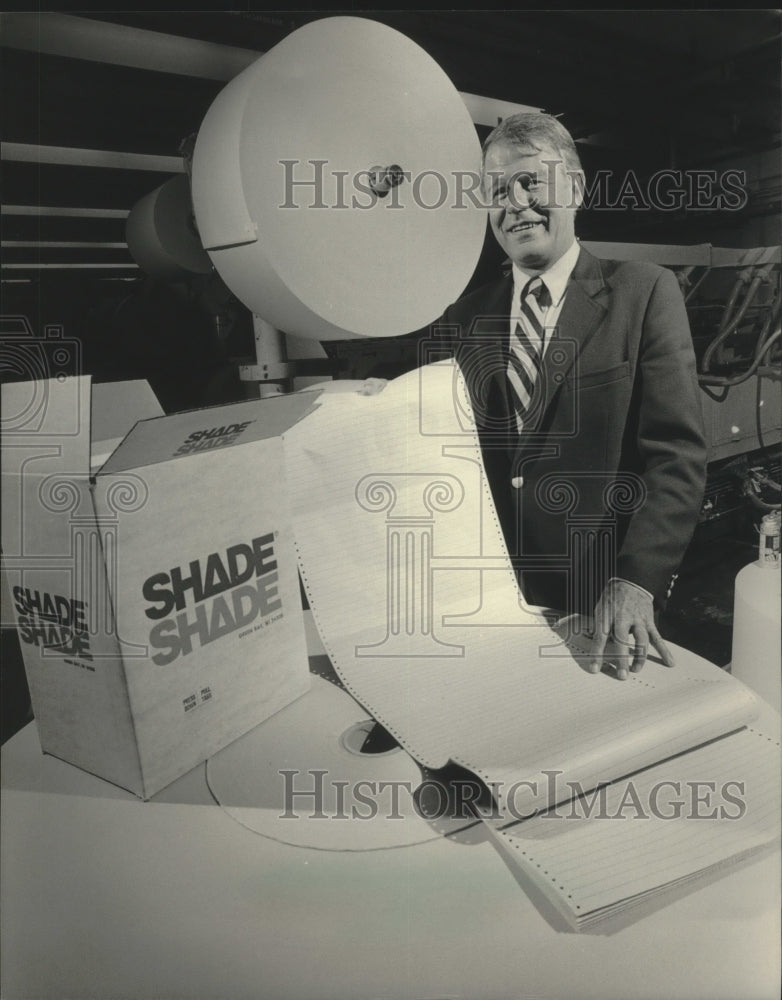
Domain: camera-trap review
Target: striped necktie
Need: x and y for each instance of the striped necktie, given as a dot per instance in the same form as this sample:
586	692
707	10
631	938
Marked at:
526	351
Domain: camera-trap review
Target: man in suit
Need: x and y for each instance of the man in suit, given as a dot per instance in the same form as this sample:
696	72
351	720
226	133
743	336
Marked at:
584	393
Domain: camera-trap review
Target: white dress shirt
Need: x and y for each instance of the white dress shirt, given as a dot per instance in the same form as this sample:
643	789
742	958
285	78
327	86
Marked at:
555	279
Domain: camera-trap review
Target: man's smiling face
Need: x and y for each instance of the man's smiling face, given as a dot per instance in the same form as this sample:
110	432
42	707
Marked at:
533	203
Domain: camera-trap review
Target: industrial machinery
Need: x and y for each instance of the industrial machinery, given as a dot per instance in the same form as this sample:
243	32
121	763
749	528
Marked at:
733	302
734	307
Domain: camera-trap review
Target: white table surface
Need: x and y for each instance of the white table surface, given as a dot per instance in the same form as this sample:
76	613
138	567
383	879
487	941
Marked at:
107	896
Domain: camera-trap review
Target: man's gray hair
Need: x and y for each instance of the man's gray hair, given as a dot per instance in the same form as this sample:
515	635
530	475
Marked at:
538	131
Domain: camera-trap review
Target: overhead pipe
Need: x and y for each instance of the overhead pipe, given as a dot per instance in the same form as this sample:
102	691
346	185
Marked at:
75	37
59	211
55	34
731	380
71	156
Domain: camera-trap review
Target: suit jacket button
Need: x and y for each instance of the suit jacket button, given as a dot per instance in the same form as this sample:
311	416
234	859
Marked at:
517	482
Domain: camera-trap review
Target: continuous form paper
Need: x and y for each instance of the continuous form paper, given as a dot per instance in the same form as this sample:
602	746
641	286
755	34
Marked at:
717	803
416	602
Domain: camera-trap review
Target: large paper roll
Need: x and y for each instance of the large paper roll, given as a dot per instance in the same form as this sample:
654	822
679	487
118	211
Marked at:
283	193
161	233
297	780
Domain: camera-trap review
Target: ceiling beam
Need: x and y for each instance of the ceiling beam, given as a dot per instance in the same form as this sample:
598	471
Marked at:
60	245
66	35
117	44
37	266
65	156
70	213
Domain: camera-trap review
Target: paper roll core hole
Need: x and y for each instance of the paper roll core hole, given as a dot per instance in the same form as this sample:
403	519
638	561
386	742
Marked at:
354	738
382	179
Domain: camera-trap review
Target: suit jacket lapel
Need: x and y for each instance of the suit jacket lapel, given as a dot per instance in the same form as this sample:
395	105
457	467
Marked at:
580	317
490	338
484	356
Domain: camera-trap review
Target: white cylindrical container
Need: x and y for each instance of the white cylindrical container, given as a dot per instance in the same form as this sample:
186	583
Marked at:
757	646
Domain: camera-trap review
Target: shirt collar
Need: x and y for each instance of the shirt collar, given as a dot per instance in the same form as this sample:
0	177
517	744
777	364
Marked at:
555	279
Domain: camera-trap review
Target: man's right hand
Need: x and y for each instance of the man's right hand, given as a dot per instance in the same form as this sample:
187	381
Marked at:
623	629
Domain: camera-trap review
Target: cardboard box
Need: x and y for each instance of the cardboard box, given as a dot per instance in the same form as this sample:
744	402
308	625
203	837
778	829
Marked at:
154	585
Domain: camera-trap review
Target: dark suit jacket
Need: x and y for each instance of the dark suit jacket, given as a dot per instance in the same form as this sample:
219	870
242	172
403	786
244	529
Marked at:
613	464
